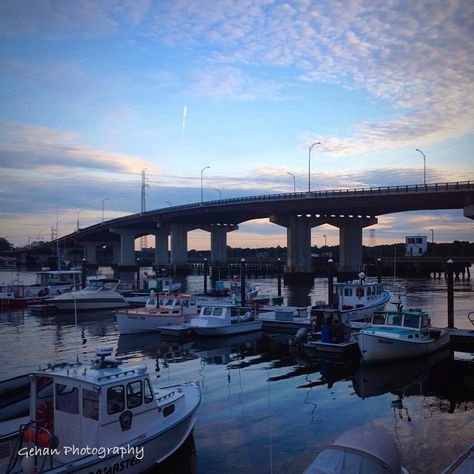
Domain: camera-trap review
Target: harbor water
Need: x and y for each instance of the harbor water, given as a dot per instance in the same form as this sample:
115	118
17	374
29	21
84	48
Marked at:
266	408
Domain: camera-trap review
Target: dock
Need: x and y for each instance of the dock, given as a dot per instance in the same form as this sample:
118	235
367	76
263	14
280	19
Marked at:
177	330
341	348
461	339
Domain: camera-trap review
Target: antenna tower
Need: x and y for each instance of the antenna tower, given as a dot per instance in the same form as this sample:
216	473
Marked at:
143	240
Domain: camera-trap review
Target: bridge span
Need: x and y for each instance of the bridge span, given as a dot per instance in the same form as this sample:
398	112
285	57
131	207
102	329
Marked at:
350	210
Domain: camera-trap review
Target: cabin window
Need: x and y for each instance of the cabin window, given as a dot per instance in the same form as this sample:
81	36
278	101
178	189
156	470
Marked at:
369	291
148	392
115	399
67	398
185	303
411	321
424	322
192	302
167	410
134	394
378	319
41	384
207	311
90	404
379	290
347	291
394	320
217	312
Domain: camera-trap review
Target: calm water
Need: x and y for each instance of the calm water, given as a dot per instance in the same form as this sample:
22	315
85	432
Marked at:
268	410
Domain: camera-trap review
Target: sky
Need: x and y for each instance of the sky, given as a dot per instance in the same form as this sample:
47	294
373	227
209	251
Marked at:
94	92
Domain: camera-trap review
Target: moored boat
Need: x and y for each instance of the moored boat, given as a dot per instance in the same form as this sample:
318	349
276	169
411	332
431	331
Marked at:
100	293
159	311
399	334
363	449
225	320
120	422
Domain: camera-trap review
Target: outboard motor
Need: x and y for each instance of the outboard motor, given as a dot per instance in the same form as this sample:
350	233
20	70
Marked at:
300	337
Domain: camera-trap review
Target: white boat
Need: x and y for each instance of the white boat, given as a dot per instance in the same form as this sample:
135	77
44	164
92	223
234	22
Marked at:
400	334
98	294
102	418
224	321
359	450
357	300
159	311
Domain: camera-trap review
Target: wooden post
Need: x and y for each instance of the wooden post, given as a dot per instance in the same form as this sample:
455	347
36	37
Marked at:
379	270
242	283
330	282
279	276
449	273
206	269
84	272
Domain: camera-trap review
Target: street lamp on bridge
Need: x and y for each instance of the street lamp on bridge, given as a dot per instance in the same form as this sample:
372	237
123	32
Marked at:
325	240
202	172
103	201
219	191
424	165
309	163
77	219
294	180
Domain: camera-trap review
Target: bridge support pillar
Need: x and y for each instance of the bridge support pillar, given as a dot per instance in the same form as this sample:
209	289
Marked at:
350	243
469	211
127	246
219	241
115	252
179	247
90	252
161	247
298	231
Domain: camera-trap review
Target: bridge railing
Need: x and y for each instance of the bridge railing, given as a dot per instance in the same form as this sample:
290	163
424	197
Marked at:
379	190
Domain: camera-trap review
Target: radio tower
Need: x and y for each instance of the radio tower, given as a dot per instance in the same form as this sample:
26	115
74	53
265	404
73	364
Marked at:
372	242
143	240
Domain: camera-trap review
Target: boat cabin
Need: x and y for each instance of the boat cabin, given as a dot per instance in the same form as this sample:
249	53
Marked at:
228	313
106	404
50	278
356	294
179	304
409	319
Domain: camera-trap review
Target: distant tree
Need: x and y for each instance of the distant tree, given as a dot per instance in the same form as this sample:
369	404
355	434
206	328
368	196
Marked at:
4	244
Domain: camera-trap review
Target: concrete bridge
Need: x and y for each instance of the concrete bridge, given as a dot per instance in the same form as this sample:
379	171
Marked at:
350	210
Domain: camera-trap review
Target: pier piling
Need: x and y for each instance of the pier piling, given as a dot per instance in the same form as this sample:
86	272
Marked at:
449	273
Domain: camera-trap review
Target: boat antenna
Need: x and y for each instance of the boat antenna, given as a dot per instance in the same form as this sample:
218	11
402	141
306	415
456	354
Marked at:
75	312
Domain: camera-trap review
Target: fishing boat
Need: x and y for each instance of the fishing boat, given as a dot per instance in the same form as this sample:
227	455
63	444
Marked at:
399	334
101	418
357	300
16	294
225	320
231	287
159	311
359	450
100	293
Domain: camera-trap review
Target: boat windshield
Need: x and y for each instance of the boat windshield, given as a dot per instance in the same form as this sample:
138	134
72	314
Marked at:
378	318
394	319
411	321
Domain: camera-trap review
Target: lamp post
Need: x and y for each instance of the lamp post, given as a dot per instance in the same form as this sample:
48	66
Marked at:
169	204
325	241
432	235
202	172
294	180
219	191
309	163
103	201
77	219
424	166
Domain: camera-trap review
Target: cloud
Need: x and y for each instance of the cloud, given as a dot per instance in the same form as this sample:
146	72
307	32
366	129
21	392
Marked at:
38	148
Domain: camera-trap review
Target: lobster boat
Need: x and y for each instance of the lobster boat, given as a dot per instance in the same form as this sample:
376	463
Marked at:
101	418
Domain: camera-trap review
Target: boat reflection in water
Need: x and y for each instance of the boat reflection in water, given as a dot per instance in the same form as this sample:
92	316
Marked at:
371	381
224	350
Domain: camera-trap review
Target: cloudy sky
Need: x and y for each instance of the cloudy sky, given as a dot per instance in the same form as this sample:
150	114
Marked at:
93	92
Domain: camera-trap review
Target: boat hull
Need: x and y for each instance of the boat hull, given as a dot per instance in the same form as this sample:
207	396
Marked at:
89	304
228	329
376	347
365	312
138	323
